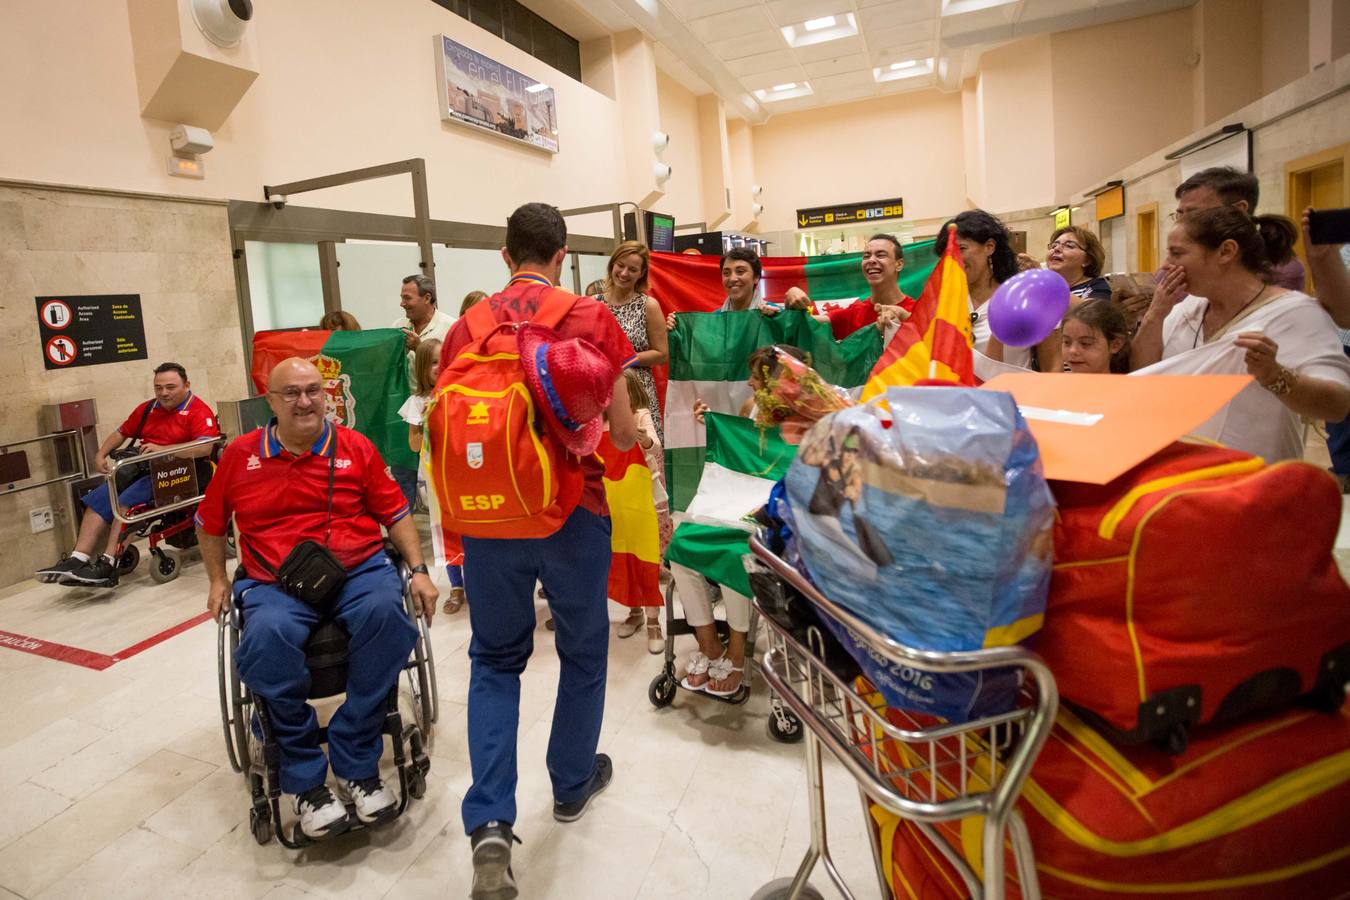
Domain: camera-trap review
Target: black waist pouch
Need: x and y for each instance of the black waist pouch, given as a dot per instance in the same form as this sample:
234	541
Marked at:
312	574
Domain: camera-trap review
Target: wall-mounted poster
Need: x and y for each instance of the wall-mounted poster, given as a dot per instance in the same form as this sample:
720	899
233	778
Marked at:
483	93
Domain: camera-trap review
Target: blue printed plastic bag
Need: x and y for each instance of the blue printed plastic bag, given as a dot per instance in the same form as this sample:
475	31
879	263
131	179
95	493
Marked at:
936	531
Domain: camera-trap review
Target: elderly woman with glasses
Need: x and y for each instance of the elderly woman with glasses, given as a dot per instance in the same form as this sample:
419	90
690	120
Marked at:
1078	257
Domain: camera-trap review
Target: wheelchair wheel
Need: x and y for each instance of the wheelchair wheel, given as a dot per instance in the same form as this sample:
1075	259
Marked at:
128	559
260	823
417	784
784	727
233	711
164	566
778	890
661	692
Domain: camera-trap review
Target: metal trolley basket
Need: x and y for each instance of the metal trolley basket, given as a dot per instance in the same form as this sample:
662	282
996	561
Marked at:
915	766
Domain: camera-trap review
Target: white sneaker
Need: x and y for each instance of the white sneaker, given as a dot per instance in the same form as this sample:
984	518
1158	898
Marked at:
321	814
373	799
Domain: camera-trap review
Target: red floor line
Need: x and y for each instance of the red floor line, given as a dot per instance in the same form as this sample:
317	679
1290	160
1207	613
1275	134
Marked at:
89	659
160	638
59	652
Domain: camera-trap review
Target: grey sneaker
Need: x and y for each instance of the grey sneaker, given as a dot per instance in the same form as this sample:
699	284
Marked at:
95	573
321	814
52	574
604	773
492	876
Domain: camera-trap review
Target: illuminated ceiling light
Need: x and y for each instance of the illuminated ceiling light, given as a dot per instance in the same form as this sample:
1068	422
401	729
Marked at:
957	7
820	30
910	68
784	92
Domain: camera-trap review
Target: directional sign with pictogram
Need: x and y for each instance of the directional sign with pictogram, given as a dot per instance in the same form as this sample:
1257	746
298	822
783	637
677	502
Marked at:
89	331
851	213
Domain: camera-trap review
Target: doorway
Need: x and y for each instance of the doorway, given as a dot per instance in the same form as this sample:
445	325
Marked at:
1318	181
1146	237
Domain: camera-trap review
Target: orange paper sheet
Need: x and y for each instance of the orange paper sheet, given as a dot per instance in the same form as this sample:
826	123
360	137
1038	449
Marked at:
1139	415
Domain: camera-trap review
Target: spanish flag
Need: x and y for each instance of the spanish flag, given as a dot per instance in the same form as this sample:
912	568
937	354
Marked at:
935	341
635	570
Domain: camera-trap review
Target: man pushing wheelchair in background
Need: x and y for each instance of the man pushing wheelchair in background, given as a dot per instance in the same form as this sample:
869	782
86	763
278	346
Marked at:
308	498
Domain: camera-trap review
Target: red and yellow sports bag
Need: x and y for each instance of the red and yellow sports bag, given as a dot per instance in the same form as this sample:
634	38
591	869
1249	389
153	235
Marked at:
1198	587
1252	812
495	470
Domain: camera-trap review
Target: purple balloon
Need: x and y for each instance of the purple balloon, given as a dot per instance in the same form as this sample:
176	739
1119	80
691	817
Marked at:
1027	307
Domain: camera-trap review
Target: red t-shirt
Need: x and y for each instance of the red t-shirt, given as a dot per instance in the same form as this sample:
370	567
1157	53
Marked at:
589	319
279	500
187	421
848	319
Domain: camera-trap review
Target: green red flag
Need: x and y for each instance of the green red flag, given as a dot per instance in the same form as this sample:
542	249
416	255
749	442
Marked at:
687	283
365	374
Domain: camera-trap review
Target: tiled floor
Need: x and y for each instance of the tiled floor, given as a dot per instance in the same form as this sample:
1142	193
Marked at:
116	784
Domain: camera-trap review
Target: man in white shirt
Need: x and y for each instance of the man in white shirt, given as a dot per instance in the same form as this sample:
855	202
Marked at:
421	321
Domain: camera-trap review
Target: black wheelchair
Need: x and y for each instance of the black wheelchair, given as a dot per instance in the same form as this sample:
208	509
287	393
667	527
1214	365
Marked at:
249	737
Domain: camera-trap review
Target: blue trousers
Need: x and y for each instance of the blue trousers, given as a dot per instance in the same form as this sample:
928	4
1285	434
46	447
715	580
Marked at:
1338	441
499	575
271	661
137	493
406	479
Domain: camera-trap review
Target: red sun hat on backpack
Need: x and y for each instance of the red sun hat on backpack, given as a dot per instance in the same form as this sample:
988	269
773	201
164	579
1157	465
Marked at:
571	381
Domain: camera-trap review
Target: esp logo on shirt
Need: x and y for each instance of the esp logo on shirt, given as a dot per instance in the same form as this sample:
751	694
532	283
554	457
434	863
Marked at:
471	502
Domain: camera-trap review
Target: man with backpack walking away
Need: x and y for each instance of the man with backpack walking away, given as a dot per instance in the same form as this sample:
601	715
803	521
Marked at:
527	379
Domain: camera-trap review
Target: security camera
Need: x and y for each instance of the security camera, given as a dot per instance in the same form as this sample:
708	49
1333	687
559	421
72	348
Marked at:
278	201
222	21
190	140
660	141
661	172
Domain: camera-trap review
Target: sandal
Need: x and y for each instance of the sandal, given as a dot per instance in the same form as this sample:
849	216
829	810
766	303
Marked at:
455	601
696	668
629	626
719	670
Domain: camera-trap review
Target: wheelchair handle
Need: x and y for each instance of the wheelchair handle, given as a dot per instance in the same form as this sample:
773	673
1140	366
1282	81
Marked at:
117	464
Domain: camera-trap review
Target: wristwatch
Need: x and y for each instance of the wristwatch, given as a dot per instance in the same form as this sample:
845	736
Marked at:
420	569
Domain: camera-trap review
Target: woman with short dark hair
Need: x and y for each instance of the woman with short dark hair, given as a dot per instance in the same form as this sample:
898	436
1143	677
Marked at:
1078	257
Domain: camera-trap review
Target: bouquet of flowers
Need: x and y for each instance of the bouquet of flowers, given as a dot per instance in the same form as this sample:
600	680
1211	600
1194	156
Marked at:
791	394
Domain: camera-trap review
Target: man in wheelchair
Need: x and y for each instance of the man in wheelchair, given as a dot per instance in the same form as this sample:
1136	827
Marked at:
176	416
304	494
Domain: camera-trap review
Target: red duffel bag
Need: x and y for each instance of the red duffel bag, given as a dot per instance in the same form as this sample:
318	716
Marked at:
1258	811
1198	587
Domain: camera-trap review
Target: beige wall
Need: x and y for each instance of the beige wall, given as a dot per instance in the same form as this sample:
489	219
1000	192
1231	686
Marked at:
335	92
1016	127
175	255
906	145
741	152
680	119
1228	39
1284	42
1120	92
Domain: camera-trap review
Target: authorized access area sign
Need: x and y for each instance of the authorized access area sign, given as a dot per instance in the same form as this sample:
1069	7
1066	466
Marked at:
90	331
851	213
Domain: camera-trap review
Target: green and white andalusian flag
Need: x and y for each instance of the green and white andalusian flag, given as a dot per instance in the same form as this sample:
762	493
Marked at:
742	464
709	361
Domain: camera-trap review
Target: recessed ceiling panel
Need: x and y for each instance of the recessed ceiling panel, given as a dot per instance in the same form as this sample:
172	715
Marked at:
697	9
762	62
748	45
828	50
733	23
764	81
854	62
797	12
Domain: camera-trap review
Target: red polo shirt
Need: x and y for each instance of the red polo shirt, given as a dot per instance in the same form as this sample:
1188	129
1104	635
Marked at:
279	500
859	314
590	319
187	421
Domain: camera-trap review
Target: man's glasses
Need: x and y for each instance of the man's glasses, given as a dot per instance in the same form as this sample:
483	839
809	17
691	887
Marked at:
1064	245
292	395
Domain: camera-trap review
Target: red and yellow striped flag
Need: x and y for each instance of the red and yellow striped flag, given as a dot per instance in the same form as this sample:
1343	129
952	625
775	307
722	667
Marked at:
635	569
935	341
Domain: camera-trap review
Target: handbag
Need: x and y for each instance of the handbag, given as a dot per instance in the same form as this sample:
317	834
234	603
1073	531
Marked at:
310	572
129	474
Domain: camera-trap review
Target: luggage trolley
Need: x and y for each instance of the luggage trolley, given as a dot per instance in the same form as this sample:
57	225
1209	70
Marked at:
916	767
169	525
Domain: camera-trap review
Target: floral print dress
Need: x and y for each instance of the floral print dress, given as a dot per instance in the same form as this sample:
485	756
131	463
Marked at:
632	317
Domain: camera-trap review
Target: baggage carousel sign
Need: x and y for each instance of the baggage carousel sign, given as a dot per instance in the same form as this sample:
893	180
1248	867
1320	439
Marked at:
851	213
90	331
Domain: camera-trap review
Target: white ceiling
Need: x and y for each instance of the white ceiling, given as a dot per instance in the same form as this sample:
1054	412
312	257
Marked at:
737	47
